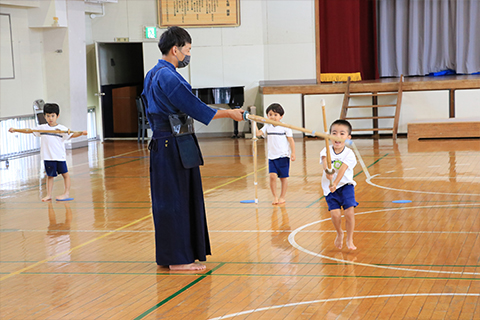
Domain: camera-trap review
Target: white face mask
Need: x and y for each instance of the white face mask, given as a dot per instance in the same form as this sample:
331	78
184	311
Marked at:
183	63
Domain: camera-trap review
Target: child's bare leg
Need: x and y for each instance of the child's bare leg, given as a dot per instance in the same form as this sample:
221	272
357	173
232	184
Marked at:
350	226
284	182
337	223
273	187
195	266
66	180
49	189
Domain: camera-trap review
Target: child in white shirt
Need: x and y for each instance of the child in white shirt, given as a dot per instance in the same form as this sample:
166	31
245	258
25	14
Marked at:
342	192
52	149
281	148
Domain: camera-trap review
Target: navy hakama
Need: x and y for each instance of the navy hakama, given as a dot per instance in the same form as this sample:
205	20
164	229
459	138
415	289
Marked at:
181	233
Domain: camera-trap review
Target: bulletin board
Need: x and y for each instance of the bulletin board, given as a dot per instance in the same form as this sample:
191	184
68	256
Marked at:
7	69
198	13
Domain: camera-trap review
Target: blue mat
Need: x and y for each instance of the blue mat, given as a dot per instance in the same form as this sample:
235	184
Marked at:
66	199
402	201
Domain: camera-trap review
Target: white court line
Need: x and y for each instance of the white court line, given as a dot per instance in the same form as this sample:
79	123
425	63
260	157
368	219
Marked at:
370	177
291	239
438	178
347	299
369	181
360	159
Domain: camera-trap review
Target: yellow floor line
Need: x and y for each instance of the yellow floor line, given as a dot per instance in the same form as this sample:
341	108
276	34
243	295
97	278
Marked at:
109	233
70	250
232	181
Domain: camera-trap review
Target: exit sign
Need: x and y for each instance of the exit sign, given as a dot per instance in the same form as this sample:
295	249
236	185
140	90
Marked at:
150	32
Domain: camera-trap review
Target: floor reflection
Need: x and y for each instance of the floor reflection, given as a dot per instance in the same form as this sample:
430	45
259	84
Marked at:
58	234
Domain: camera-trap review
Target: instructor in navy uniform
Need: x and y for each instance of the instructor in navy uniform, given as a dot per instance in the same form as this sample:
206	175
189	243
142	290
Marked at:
181	233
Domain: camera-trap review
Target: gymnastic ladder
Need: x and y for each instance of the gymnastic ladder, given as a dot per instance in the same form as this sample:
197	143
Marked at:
374	117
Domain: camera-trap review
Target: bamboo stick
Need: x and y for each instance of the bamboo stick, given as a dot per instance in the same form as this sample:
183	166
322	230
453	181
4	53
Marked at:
27	130
329	169
253	109
251	117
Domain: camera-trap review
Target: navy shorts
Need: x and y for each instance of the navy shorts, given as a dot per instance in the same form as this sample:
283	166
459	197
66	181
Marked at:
280	166
342	197
54	167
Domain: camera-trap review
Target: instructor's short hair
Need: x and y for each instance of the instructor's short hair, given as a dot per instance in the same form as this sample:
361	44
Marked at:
173	36
343	123
51	108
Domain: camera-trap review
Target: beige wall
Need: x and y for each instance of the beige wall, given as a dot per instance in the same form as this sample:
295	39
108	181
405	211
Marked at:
275	41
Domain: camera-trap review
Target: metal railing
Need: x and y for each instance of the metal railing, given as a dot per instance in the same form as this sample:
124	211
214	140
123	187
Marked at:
17	144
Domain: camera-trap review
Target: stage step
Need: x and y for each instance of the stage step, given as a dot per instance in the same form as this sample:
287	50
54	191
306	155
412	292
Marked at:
373	129
373	106
368	118
444	129
372	94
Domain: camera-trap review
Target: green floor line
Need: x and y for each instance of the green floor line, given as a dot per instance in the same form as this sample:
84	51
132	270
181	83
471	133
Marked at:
267	263
243	275
161	303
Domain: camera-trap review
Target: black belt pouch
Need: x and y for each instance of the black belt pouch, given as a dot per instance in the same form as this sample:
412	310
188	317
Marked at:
187	144
189	151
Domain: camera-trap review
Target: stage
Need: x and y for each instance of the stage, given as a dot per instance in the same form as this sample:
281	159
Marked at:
424	98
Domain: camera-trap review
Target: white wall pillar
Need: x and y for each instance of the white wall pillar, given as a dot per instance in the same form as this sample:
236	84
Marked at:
66	69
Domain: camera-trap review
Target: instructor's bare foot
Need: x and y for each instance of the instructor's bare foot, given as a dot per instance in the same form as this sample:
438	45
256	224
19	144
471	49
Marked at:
47	198
275	201
281	201
339	241
188	267
63	196
350	245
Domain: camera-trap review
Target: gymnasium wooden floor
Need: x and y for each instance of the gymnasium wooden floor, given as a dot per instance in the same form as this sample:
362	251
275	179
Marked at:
93	258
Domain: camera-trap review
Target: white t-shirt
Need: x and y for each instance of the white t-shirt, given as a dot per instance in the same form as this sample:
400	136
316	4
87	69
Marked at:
52	145
278	146
347	156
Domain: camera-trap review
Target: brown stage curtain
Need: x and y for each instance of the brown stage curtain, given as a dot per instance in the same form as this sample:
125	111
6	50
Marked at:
348	37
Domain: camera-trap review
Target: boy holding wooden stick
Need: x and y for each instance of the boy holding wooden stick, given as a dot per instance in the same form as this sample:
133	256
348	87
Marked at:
337	182
281	149
52	149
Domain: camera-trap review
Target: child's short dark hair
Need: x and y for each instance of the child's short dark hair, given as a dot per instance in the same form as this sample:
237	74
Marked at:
51	108
343	123
174	36
276	107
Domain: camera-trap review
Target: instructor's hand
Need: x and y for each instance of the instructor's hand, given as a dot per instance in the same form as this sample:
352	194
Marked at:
236	114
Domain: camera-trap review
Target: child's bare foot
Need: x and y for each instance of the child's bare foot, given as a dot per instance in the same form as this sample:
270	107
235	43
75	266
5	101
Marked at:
339	241
47	198
188	267
63	196
275	201
350	245
281	201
